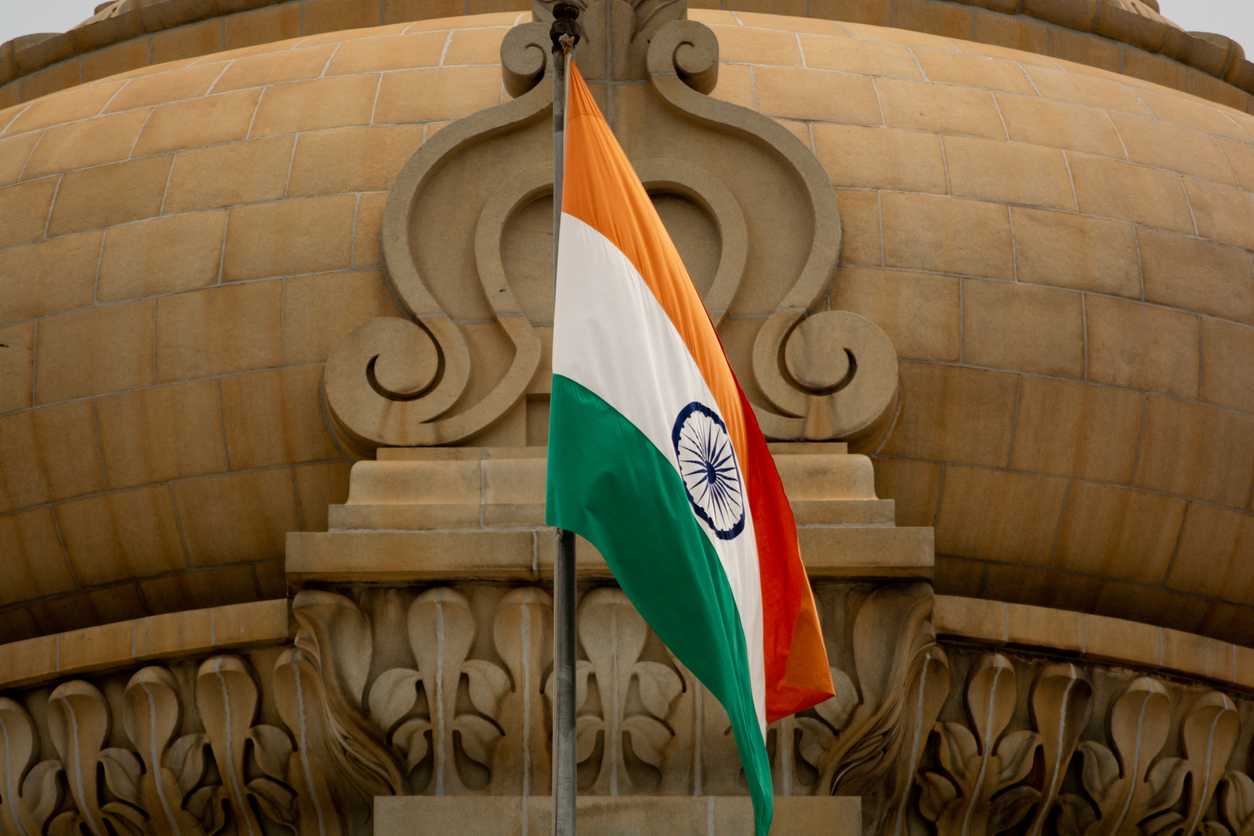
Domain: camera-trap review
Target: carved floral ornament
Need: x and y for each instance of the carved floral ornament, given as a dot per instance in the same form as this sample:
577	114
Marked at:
468	247
444	692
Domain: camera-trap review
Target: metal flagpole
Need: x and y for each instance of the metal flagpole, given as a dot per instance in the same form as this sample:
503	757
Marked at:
564	34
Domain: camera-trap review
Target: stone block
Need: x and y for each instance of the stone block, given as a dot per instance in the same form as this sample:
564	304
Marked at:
110	194
277	23
1216	547
969	420
48	277
385	556
1161	71
17	366
206	121
1243	660
316	105
241	625
943	109
945	19
54	79
1031	329
944	235
160	88
200	590
1198	275
237	517
794	8
972	618
219	330
49	453
1223	214
1142	346
395	11
735	85
155	15
115	60
167	432
1198	656
1118	640
1010	36
110	26
880	158
28	661
999	515
319	486
1085	50
1124	191
164	255
121	535
352	159
1205	86
271	580
87	609
24	211
913	486
1228	358
1057	630
1085	89
1241	157
805	94
861	240
1035	586
309	235
946	67
919	312
169	634
273	68
1076	251
1191	112
1198	451
95	648
187	42
229	174
14	153
852	55
1075	429
1057	124
275	417
870	12
736	44
436	94
956	576
1008	172
16	625
1073	14
337	15
1118	533
95	350
319	310
34	52
1153	143
399	52
105	139
34	563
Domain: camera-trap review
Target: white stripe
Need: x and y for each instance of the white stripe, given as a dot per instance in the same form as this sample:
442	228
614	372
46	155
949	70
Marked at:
611	336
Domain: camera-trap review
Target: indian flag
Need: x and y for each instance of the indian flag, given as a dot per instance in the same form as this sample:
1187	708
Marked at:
655	456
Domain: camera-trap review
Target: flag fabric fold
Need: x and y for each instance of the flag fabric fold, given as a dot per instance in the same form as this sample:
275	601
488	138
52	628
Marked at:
655	456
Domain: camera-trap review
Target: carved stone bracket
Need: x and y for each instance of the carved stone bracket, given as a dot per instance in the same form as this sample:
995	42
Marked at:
468	250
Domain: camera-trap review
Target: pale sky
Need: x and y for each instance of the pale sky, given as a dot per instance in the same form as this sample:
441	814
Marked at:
1234	18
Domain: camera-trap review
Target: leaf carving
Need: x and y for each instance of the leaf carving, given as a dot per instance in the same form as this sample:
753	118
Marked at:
29	791
1060	708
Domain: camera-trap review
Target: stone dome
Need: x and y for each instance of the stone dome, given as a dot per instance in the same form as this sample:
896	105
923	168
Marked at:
1060	255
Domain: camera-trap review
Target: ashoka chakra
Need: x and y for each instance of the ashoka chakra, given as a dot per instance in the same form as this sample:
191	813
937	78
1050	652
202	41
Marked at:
707	464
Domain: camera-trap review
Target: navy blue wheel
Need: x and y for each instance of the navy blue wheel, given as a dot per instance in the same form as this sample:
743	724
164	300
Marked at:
707	465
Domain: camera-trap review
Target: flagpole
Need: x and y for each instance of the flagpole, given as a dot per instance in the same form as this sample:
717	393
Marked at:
564	33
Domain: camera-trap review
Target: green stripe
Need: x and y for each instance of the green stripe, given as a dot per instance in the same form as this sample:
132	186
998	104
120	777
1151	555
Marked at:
609	483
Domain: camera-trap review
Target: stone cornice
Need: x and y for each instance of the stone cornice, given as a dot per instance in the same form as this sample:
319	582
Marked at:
131	34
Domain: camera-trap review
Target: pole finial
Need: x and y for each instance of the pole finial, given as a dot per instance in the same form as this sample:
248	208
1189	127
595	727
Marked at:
565	29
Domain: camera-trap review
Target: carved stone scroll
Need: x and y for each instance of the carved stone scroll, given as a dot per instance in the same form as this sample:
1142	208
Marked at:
468	249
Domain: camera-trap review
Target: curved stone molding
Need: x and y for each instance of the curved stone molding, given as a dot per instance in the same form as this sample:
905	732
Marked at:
1135	24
